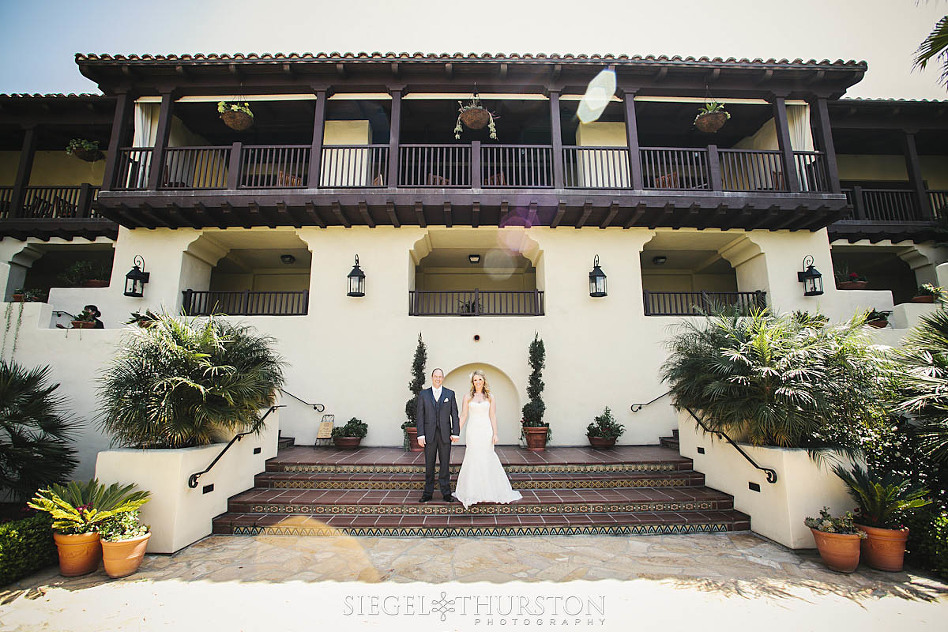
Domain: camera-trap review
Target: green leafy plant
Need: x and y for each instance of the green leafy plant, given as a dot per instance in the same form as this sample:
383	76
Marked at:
605	426
417	382
36	432
81	145
935	47
85	316
183	381
234	106
712	107
82	508
353	428
81	271
123	526
874	314
26	546
778	380
883	500
827	523
142	320
936	291
533	410
843	275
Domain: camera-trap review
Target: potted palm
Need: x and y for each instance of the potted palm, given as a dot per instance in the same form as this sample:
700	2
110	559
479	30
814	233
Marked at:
929	293
82	149
78	511
350	435
411	406
124	540
877	319
534	431
236	114
850	281
711	117
604	431
883	501
147	319
837	540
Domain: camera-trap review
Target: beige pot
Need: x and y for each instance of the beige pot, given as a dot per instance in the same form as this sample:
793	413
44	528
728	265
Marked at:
123	558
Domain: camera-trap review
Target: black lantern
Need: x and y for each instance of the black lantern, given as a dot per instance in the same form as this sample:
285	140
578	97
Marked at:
136	278
597	280
356	280
811	278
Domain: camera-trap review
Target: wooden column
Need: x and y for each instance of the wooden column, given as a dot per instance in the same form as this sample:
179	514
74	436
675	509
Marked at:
632	140
316	148
786	149
556	135
394	134
161	141
823	135
124	103
714	168
23	171
914	169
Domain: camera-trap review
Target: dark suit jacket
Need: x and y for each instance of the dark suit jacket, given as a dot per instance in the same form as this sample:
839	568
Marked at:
444	414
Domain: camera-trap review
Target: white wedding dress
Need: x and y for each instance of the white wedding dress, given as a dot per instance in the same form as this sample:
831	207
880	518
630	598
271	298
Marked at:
482	478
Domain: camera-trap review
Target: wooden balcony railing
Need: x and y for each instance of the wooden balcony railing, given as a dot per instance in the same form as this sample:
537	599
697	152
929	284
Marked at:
133	168
596	167
347	166
811	170
675	168
884	205
701	303
203	303
438	166
751	170
53	202
475	303
939	203
274	166
517	166
195	168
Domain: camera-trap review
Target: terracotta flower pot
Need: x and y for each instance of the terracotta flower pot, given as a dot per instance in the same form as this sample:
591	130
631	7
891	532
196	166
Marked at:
878	323
413	445
601	443
839	551
18	298
884	549
536	438
852	285
925	298
79	554
82	324
123	558
347	443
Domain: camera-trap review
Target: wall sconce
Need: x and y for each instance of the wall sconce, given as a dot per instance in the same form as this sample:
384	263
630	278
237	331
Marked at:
136	278
597	280
811	278
474	259
356	280
288	259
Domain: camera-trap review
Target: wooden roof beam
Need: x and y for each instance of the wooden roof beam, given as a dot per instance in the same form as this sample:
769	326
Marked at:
366	216
340	215
392	215
313	215
611	215
420	214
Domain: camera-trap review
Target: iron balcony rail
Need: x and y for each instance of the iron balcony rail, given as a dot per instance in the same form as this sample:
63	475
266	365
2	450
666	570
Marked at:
247	303
473	165
701	303
475	303
50	202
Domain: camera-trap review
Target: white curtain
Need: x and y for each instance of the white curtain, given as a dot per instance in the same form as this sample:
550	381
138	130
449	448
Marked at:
798	118
146	124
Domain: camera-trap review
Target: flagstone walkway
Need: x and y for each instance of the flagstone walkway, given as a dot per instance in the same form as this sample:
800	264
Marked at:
719	581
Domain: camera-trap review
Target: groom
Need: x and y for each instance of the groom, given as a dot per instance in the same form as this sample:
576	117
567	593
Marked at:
438	427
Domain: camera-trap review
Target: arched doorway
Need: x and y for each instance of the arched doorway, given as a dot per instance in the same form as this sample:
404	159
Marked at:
501	387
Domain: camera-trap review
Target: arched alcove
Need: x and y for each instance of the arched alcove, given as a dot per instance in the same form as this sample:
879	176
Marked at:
501	387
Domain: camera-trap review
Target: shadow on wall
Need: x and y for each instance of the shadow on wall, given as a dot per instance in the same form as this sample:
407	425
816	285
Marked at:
501	387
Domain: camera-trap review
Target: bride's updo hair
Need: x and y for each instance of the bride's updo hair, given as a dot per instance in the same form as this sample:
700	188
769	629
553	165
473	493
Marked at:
486	388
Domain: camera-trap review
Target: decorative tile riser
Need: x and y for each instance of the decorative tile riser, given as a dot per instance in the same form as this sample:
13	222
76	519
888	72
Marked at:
511	469
418	485
458	509
486	531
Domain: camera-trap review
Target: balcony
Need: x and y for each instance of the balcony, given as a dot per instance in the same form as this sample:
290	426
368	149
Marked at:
896	214
53	211
247	303
475	303
701	303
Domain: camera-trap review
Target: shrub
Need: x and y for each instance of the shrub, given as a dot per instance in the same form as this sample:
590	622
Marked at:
26	546
123	526
35	431
605	426
417	382
353	428
181	382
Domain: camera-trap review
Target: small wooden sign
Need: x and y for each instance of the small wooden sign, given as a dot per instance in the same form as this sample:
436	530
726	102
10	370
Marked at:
325	430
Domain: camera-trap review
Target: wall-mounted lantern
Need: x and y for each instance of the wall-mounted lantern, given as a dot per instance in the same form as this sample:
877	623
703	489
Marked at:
597	280
811	278
356	280
136	278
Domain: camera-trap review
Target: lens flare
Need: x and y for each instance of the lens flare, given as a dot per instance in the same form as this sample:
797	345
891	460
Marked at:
598	94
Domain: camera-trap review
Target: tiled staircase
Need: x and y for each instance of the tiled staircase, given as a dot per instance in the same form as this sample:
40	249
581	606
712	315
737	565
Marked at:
376	491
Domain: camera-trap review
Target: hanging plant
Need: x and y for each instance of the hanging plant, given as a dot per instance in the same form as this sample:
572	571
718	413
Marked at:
236	114
82	149
475	116
711	117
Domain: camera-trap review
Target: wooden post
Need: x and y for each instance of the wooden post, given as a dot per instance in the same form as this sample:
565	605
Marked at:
84	203
914	169
477	177
316	148
118	138
859	206
786	149
632	140
714	167
23	171
556	133
824	141
393	138
233	167
161	141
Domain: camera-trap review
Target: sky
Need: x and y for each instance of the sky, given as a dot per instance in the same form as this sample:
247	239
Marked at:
39	38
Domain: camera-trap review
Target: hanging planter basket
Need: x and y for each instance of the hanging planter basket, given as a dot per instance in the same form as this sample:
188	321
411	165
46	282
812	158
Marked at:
238	121
475	118
89	155
711	122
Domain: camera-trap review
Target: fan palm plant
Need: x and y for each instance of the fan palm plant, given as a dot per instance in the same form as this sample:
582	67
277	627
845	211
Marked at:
787	381
35	431
182	381
82	508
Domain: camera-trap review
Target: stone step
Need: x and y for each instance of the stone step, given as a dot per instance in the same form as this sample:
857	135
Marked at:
285	442
519	480
669	442
534	502
639	523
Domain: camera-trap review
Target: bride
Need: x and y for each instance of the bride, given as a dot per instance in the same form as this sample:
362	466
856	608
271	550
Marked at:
482	477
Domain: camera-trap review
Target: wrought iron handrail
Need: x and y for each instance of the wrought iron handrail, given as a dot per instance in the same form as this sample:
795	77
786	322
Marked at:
193	479
637	407
317	407
771	473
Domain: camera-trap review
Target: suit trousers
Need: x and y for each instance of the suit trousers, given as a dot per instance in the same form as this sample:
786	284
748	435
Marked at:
438	447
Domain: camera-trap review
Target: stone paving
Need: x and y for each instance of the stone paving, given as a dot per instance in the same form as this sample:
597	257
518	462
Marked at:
715	581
